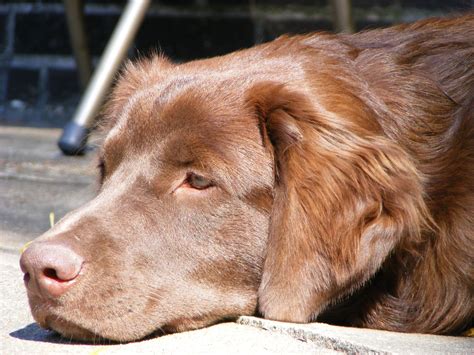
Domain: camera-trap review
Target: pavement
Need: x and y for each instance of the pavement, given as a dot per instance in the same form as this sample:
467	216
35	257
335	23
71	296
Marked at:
35	179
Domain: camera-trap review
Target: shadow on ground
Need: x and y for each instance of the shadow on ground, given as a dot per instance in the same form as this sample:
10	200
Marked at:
33	332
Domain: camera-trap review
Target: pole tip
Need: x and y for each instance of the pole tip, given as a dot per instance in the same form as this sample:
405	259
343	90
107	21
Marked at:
73	141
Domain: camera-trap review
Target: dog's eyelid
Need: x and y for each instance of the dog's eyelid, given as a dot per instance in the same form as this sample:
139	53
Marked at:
101	167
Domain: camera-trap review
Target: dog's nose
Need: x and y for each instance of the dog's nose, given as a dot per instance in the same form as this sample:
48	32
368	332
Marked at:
50	269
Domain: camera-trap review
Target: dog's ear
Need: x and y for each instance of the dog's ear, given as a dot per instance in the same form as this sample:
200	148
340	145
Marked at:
345	197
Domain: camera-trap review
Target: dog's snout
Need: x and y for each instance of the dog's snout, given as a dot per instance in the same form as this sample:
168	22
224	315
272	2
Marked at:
50	269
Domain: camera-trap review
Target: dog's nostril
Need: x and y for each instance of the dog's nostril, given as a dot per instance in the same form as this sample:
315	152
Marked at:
51	274
61	275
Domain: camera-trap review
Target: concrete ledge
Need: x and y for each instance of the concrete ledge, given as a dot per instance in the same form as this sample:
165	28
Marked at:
358	340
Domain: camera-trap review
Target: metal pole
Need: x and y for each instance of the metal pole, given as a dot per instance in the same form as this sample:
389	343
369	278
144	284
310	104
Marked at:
75	23
74	137
342	11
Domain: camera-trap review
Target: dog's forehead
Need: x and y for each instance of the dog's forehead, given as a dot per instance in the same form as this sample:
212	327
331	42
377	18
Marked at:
184	118
178	104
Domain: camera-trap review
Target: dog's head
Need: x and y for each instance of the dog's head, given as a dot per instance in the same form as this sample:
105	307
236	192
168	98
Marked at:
221	189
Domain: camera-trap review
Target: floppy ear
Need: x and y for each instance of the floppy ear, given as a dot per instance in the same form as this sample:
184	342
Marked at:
344	198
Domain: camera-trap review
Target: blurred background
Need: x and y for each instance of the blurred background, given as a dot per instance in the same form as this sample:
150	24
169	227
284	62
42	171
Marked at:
39	81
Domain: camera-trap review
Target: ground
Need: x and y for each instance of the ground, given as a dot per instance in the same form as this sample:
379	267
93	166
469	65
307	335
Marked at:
35	179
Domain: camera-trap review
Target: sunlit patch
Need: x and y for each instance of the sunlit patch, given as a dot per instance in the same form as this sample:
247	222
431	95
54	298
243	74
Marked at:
98	351
24	247
51	219
469	333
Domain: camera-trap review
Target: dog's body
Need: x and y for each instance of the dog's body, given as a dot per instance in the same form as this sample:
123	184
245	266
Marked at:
326	177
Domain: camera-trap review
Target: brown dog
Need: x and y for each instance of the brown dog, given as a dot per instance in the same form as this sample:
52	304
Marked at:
319	177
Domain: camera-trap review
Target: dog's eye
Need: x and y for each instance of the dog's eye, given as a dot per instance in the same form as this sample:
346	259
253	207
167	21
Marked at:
198	182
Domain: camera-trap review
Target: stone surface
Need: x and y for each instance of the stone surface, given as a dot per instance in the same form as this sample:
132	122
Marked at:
35	179
358	340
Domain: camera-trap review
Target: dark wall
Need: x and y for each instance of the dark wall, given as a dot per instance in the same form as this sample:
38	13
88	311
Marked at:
38	77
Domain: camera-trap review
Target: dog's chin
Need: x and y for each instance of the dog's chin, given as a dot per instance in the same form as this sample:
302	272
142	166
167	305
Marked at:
49	317
47	320
72	331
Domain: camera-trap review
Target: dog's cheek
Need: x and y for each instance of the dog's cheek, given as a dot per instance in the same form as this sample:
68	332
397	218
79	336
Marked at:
223	272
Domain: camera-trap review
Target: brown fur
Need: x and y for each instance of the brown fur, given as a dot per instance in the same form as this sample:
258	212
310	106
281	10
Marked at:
342	171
